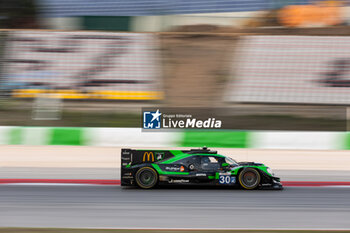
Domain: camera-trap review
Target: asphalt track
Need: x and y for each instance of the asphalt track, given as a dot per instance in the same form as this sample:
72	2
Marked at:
115	207
114	174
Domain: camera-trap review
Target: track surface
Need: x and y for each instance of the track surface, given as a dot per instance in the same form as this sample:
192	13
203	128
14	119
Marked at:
113	206
114	174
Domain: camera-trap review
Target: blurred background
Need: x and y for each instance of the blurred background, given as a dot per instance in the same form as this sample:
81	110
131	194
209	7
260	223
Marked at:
276	64
75	75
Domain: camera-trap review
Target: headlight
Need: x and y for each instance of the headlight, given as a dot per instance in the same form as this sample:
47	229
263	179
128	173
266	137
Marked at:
269	170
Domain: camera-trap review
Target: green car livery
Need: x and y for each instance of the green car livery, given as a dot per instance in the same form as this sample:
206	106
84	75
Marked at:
204	167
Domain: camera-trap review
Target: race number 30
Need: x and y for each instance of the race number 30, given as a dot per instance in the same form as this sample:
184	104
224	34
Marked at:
226	179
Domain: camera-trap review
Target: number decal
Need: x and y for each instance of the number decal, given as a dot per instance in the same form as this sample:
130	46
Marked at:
226	179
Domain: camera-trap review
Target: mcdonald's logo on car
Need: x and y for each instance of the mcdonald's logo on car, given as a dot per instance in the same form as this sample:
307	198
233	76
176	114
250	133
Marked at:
149	156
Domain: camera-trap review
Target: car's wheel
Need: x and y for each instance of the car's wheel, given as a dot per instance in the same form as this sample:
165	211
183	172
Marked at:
146	177
249	178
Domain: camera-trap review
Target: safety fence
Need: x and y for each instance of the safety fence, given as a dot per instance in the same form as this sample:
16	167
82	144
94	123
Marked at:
134	137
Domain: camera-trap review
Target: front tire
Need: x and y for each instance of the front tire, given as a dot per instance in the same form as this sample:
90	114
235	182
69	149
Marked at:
146	177
249	178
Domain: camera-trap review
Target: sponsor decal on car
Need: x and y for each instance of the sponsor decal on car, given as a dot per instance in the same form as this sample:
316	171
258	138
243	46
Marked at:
174	169
224	173
159	156
148	157
179	181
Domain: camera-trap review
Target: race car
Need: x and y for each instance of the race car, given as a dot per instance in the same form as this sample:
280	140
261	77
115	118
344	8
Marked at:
149	168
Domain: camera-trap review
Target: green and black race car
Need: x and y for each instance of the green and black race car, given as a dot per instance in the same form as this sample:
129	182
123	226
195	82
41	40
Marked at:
148	168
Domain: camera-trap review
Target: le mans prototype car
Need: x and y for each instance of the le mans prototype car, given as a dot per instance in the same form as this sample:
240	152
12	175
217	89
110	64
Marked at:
149	168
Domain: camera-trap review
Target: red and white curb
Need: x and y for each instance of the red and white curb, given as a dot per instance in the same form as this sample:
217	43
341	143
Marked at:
315	183
60	181
117	182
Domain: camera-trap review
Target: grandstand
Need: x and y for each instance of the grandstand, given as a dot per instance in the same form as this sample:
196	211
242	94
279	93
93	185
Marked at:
215	64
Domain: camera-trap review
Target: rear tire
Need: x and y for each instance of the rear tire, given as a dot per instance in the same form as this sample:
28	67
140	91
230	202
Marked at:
146	177
249	178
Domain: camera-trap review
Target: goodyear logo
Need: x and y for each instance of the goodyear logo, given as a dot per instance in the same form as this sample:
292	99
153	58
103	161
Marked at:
148	157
